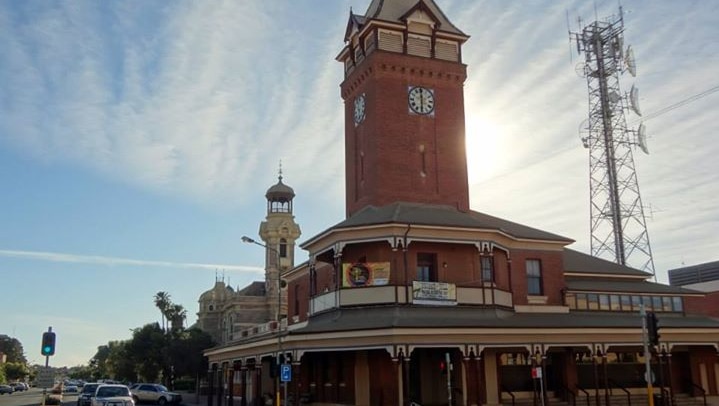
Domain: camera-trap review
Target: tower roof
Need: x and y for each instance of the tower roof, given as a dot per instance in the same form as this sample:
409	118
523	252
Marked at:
280	192
397	11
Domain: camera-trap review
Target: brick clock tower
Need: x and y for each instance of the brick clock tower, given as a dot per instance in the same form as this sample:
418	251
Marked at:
404	107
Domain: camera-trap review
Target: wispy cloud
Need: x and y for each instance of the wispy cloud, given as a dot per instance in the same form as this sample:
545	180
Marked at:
112	261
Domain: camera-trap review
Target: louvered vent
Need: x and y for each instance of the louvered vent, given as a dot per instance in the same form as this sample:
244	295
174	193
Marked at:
390	41
419	46
446	51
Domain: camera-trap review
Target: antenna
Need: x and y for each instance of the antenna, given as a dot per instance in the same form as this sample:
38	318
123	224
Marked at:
618	225
642	138
634	100
629	61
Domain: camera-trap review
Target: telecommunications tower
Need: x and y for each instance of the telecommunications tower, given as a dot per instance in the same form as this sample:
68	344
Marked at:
617	223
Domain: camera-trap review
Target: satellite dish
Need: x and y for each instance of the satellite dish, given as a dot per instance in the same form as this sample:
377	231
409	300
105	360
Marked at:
642	139
584	133
634	100
629	60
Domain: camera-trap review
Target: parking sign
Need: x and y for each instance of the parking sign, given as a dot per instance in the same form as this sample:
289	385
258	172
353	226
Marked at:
285	373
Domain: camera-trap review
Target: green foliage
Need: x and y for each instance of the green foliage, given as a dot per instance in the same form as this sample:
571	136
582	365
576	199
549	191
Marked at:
15	371
13	349
3	378
155	353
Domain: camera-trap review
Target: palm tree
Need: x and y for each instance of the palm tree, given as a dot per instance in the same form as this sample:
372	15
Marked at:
162	301
176	316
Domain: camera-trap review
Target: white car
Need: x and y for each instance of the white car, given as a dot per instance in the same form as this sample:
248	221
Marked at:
112	395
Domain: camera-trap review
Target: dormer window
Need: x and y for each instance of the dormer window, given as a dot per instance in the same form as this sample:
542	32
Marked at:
534	277
487	269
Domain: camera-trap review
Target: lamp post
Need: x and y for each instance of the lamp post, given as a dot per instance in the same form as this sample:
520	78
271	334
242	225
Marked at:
278	319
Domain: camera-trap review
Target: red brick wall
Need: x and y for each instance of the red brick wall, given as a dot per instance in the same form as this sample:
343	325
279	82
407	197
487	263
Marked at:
383	162
552	275
708	305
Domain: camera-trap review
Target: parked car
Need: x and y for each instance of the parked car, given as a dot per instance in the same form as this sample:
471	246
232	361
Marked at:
154	393
87	393
115	395
6	389
19	386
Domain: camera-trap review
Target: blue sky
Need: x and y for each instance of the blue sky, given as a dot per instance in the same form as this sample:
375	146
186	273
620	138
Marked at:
137	140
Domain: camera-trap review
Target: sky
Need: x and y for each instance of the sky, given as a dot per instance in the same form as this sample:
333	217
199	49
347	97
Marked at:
138	138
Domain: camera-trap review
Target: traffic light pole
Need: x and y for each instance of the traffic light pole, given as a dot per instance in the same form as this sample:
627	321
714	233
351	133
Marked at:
647	357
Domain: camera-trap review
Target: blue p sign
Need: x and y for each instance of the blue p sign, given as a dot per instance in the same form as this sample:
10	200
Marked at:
285	373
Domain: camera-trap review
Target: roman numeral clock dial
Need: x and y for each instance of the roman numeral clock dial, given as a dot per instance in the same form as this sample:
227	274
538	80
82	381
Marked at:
420	100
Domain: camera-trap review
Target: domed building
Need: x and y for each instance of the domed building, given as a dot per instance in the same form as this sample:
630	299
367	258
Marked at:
226	313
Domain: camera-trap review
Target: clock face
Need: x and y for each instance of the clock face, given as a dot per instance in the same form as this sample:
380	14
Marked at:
360	105
421	100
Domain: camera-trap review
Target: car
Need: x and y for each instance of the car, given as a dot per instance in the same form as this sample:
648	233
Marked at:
19	386
87	393
6	389
70	389
112	395
154	393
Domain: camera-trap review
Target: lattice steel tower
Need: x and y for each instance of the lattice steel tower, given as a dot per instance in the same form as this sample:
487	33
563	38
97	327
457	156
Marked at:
617	222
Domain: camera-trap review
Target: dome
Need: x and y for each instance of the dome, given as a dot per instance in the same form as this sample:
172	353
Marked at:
280	192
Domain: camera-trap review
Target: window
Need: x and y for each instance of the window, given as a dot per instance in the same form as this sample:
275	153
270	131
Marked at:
534	277
487	269
426	267
283	248
678	305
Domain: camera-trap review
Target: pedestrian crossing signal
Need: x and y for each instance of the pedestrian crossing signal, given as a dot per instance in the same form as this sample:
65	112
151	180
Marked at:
48	344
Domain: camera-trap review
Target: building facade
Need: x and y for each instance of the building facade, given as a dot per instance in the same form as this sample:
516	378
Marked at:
414	297
703	278
226	313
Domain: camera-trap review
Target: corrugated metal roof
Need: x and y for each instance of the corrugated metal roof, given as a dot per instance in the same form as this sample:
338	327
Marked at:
624	286
579	262
382	317
445	216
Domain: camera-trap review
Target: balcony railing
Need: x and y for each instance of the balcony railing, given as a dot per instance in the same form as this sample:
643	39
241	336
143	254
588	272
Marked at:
419	293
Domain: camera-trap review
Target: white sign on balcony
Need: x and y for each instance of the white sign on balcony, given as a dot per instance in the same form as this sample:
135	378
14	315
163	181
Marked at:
434	293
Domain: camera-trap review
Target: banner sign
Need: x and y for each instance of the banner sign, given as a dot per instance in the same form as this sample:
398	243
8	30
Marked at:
360	274
435	293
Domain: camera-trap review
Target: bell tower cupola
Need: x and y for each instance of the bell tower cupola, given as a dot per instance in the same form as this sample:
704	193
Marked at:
279	233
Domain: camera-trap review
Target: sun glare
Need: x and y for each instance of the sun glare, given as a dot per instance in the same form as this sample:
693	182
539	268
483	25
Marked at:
482	138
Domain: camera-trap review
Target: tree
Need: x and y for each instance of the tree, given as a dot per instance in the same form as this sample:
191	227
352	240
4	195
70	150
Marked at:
176	317
13	349
16	371
163	302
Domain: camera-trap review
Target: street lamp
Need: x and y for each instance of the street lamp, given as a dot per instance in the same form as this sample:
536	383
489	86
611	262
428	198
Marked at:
278	319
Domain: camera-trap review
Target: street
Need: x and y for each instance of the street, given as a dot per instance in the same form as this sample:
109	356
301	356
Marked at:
33	397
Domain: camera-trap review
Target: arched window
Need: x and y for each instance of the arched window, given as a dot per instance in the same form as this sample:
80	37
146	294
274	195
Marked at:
283	248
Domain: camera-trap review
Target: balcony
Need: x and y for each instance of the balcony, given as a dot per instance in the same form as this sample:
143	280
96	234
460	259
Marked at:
419	294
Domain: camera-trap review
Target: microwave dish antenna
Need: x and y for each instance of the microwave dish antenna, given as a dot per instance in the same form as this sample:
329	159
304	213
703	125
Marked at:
634	100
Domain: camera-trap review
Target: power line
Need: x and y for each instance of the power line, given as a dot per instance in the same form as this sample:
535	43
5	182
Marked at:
678	104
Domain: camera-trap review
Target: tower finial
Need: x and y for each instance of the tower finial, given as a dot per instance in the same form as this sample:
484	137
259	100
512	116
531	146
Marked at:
280	171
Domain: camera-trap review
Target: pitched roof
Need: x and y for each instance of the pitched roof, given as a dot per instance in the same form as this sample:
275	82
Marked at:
395	10
439	215
625	286
381	317
579	262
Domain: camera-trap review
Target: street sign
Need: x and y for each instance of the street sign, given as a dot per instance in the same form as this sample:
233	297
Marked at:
45	378
285	373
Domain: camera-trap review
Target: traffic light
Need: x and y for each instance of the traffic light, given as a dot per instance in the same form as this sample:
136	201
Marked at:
653	328
442	368
48	343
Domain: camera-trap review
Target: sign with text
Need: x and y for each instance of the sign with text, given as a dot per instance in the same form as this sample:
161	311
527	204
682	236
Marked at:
434	293
45	378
